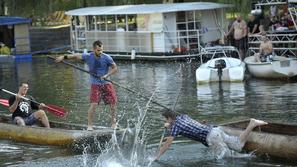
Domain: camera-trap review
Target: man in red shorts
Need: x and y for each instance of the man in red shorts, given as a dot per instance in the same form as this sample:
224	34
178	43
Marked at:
103	66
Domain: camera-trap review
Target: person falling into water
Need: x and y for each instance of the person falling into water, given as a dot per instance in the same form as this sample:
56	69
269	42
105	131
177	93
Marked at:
215	138
21	109
103	66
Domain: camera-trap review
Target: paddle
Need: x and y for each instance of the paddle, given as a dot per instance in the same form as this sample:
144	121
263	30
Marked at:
113	82
56	110
4	102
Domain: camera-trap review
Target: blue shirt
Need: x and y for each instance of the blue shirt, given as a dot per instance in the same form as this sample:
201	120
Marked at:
187	127
98	66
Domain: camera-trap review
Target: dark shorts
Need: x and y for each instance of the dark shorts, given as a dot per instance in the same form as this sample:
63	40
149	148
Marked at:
241	44
28	120
105	92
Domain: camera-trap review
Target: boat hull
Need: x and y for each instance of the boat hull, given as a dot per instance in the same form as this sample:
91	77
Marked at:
71	136
233	72
281	68
276	140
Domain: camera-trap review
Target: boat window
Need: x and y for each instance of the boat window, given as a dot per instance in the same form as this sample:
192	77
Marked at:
198	16
190	16
81	21
132	24
101	23
91	21
188	23
181	16
111	24
121	22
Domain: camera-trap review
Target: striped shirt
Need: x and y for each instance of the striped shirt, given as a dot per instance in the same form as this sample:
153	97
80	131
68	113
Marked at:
187	127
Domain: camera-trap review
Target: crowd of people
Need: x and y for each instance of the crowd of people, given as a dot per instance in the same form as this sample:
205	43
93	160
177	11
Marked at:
258	24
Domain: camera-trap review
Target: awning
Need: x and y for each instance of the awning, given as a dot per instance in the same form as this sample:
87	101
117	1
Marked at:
6	20
146	8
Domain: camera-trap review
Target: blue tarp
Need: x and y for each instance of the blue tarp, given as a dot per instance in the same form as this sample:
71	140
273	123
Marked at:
6	20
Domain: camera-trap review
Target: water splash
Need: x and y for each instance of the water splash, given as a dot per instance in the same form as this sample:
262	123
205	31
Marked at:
128	150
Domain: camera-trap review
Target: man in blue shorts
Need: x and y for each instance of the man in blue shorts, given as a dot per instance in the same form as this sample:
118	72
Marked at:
22	110
210	136
103	66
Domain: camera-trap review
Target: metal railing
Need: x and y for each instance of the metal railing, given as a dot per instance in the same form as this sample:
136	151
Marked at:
179	42
284	43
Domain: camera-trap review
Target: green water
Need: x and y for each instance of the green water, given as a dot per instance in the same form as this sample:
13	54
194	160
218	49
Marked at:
64	86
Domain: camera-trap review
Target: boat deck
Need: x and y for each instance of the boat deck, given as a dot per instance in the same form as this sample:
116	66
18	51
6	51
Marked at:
154	58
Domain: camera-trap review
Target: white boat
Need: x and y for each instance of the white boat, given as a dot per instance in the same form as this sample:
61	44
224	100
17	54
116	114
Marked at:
221	65
279	67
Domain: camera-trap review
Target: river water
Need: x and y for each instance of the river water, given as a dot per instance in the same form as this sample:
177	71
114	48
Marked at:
170	84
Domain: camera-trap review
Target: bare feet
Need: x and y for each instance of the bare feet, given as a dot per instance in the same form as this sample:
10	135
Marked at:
256	122
90	128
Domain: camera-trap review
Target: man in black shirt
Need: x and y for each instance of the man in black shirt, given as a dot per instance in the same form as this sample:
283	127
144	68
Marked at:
22	110
253	24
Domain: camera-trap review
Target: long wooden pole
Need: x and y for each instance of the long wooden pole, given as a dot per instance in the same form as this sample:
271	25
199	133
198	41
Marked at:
113	82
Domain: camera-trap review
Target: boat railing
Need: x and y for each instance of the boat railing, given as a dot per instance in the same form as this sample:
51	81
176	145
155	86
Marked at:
218	51
284	42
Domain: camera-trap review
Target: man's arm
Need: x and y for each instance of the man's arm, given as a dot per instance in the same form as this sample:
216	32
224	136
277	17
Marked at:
245	30
113	69
255	28
71	56
165	146
231	30
14	105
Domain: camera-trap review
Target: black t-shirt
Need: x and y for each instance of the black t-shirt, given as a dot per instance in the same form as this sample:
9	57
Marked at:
24	108
251	25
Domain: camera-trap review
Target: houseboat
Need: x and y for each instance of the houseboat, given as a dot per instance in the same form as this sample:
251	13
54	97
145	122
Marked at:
14	34
155	30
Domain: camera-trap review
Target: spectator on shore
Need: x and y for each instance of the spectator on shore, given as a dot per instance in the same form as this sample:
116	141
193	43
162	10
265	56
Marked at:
265	50
253	24
4	50
239	29
273	11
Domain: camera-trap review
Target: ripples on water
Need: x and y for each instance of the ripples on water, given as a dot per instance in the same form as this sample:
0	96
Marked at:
60	85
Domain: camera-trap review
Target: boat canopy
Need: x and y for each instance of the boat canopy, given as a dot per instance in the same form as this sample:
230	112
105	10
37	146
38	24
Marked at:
146	8
4	20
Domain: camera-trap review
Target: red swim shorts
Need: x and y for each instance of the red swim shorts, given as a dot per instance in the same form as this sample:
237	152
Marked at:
105	92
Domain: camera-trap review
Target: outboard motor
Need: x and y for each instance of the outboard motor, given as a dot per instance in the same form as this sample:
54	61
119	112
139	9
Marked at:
220	65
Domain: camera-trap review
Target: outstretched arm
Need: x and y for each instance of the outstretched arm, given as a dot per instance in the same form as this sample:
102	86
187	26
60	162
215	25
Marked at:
72	56
165	147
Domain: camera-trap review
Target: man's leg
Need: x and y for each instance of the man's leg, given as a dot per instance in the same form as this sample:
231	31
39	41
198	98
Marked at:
41	116
253	123
113	116
19	121
94	101
110	98
91	113
236	143
218	147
